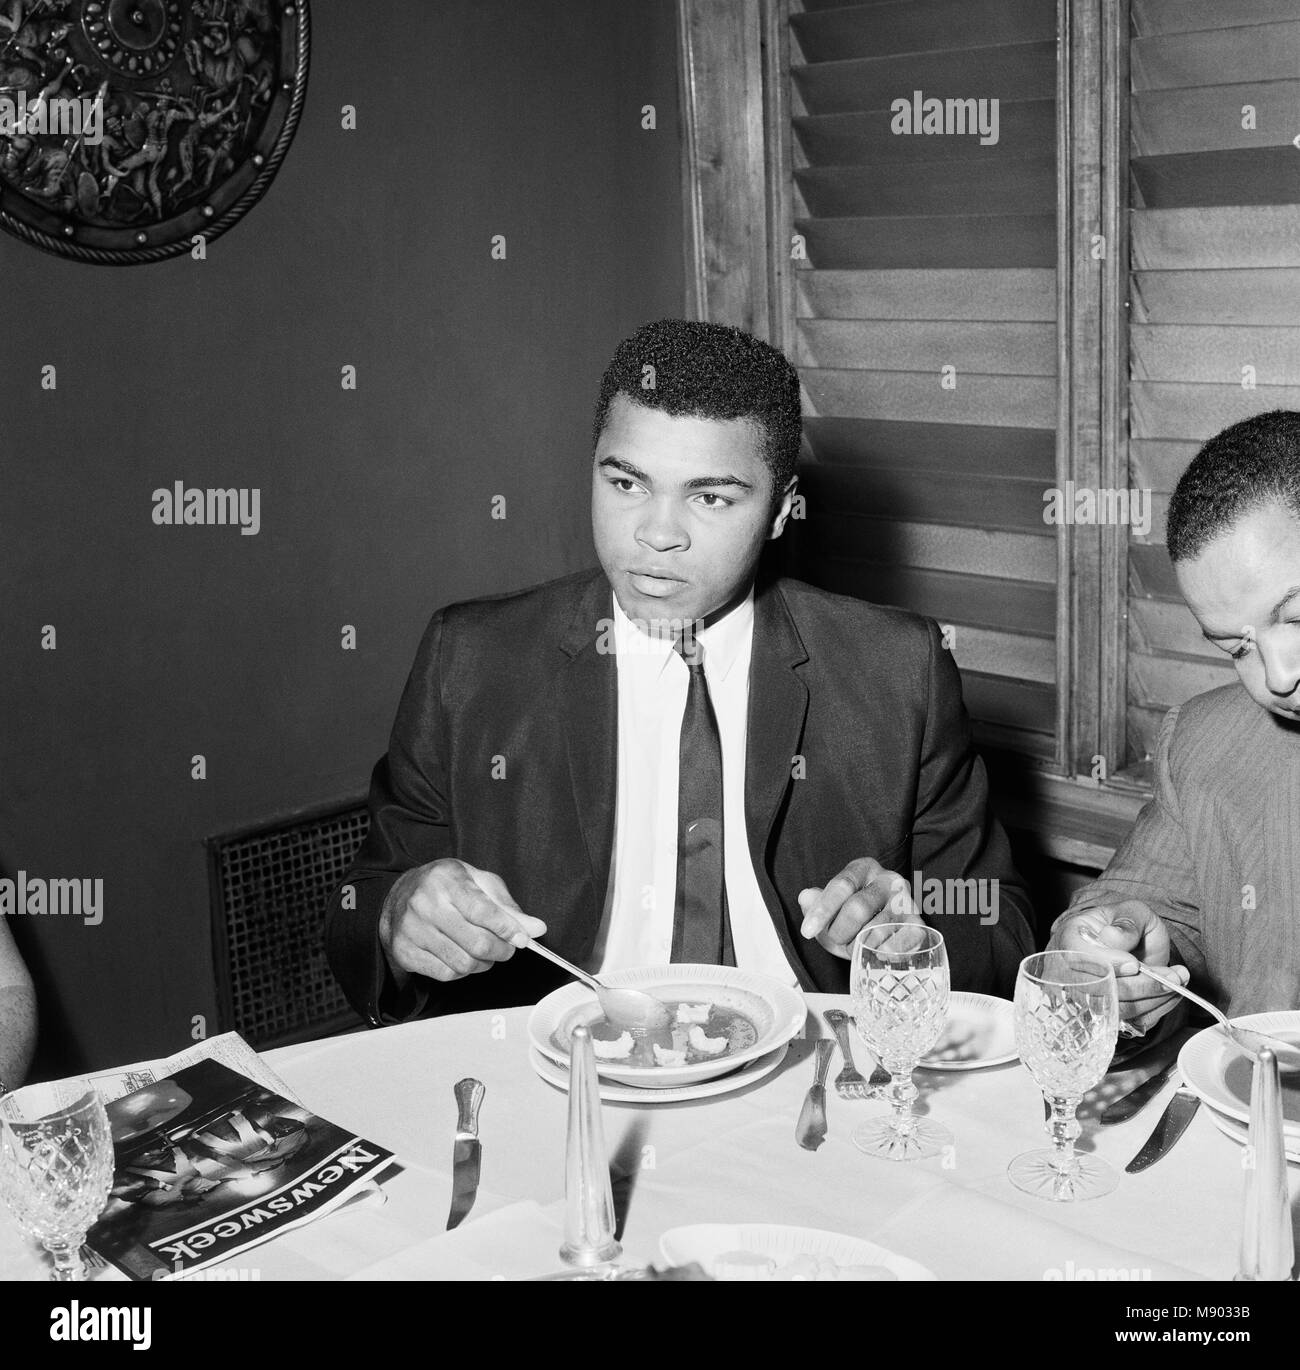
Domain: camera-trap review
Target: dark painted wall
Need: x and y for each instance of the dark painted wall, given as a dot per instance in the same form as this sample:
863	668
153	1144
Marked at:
476	378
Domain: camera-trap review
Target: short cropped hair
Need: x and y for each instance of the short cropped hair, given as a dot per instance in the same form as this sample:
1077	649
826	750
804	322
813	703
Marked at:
1254	462
710	371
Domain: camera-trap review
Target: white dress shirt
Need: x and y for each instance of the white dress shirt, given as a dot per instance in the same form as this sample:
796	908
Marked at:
637	926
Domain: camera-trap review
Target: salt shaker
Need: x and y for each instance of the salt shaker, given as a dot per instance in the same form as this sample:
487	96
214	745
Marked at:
1267	1249
589	1197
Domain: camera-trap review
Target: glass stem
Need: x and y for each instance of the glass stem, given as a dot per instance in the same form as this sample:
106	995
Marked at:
67	1260
900	1092
1064	1128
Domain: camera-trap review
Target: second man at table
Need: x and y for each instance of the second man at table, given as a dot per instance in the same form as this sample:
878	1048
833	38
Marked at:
674	758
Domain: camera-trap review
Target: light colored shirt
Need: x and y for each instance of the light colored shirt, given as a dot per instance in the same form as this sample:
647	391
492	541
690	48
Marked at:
637	926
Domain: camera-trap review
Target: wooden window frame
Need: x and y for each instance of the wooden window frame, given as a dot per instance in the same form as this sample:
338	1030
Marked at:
737	174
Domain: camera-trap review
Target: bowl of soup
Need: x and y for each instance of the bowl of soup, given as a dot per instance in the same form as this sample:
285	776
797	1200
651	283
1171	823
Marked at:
719	1019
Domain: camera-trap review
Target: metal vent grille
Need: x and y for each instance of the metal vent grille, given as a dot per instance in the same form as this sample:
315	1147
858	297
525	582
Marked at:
270	890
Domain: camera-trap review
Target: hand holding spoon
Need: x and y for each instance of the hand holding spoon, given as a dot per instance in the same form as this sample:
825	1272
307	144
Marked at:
1246	1039
624	1008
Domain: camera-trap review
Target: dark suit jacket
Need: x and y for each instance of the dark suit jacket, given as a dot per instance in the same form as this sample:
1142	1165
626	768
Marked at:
867	696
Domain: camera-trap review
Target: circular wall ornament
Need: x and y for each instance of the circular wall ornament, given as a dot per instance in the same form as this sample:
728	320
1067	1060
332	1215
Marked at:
128	127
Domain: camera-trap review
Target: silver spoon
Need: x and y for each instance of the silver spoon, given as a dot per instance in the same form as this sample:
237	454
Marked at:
624	1008
1246	1039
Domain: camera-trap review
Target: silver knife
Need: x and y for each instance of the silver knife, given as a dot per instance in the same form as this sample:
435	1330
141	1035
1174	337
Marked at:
1173	1123
1137	1099
466	1156
810	1131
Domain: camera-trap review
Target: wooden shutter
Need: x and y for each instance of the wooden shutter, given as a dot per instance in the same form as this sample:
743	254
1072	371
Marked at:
925	252
1215	285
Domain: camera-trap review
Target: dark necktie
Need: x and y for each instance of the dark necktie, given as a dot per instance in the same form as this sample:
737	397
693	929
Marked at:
701	927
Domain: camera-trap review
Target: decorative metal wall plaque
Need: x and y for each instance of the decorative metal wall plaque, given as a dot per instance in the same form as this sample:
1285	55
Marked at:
128	127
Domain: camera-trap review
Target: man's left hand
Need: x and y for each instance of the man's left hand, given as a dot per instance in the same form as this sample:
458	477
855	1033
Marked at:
864	892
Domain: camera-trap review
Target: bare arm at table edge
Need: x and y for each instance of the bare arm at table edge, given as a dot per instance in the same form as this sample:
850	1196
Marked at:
17	1013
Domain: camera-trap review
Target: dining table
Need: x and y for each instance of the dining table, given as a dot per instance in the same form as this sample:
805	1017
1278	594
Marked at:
731	1158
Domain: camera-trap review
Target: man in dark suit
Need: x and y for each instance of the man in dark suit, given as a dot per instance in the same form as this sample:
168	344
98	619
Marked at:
657	760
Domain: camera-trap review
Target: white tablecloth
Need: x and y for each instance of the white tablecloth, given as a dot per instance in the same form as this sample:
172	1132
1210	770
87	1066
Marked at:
730	1158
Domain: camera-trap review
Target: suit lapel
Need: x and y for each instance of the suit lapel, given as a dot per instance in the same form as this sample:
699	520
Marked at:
778	704
589	706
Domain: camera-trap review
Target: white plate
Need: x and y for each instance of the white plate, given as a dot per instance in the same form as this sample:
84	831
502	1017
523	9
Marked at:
633	1094
777	1010
980	1032
1220	1074
705	1242
1240	1131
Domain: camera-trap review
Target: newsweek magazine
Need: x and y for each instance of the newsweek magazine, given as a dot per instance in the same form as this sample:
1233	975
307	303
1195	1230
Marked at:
209	1163
229	1048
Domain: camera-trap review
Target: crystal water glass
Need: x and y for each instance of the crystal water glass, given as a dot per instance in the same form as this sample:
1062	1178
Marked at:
1067	1021
56	1166
899	981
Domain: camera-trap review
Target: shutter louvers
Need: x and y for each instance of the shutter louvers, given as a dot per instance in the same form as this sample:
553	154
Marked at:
926	252
1215	287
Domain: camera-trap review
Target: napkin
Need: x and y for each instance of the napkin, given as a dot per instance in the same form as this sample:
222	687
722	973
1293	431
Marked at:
517	1242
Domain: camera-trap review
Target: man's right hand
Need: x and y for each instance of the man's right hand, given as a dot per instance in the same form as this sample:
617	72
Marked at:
1128	935
448	919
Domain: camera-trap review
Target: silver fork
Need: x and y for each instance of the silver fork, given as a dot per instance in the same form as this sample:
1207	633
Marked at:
849	1083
